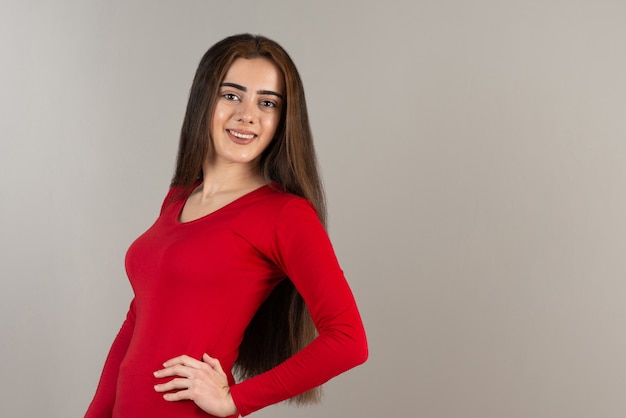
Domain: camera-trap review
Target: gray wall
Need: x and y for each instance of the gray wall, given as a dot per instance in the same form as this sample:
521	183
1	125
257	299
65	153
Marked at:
474	156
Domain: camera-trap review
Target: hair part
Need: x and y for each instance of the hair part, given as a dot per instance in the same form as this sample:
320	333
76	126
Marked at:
282	326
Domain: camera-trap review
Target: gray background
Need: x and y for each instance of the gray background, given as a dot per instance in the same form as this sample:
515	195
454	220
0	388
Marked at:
473	154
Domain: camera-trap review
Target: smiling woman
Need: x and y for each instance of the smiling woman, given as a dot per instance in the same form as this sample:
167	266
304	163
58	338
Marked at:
247	113
237	275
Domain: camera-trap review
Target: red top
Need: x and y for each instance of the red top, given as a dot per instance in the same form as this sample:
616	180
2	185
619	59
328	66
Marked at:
198	284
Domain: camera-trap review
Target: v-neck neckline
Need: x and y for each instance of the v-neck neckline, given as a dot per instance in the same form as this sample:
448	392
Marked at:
179	210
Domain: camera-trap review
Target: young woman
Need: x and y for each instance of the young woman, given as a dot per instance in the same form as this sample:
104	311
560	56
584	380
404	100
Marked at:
237	273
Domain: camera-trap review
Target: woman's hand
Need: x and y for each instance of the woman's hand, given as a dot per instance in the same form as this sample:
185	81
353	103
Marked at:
203	382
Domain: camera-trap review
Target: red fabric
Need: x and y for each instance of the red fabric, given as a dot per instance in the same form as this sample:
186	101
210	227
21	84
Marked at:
198	284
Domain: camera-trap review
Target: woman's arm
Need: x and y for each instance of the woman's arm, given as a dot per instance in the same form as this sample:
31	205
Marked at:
304	252
102	404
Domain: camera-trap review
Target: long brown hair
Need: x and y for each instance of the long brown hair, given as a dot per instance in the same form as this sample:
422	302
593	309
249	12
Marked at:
282	326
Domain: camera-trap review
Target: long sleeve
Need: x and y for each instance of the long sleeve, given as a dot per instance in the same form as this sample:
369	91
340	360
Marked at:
102	404
301	248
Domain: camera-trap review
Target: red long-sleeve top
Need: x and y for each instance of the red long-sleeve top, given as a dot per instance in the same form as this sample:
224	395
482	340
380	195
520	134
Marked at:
198	284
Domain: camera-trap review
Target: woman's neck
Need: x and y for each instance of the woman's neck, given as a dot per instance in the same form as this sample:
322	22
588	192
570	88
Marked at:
230	177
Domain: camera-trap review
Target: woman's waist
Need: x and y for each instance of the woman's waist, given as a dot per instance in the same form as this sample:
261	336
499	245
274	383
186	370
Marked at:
143	359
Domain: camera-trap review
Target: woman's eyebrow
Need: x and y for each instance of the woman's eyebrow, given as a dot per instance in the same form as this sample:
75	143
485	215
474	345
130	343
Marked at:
242	88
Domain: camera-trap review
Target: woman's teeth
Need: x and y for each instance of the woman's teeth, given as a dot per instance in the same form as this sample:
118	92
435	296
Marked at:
241	136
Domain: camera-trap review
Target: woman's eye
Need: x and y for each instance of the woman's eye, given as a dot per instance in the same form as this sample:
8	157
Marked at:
230	96
268	103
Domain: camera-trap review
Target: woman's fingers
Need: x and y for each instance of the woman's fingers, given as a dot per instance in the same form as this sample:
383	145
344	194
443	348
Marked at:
214	363
202	381
184	360
184	366
177	370
180	383
181	395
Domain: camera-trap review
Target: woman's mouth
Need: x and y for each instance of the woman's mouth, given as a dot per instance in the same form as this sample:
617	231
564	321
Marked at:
240	137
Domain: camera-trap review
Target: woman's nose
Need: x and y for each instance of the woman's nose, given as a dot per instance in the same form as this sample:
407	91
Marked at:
246	112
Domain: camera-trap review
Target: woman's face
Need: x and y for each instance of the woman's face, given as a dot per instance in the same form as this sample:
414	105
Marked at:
247	111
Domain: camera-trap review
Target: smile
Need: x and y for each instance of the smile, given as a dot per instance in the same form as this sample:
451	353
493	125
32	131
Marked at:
240	135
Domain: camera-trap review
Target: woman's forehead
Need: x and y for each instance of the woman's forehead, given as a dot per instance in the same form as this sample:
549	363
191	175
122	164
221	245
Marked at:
255	74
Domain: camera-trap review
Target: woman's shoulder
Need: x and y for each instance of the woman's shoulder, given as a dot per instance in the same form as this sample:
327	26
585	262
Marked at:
280	194
174	193
270	208
278	200
273	215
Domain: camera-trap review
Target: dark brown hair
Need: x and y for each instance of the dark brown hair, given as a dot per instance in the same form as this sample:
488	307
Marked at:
282	326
